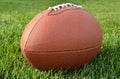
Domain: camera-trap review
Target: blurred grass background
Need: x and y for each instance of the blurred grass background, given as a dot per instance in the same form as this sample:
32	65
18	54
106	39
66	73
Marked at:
15	14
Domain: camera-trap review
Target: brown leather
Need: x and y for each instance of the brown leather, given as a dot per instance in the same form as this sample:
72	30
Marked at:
66	38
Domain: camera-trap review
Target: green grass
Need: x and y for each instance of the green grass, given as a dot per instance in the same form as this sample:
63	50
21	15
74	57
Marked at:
15	14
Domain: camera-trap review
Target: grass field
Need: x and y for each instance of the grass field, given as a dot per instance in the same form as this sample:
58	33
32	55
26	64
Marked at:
15	14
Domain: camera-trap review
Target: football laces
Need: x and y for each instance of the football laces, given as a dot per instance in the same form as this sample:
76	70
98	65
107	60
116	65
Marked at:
60	6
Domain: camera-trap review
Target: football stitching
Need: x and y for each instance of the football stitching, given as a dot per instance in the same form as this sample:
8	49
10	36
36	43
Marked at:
96	46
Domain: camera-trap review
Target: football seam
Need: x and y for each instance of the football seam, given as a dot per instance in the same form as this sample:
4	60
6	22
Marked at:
63	51
31	32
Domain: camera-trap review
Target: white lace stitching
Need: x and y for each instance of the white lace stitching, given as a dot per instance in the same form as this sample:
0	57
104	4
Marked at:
57	7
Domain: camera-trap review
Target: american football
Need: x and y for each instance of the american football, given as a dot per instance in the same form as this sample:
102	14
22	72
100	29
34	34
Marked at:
64	36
